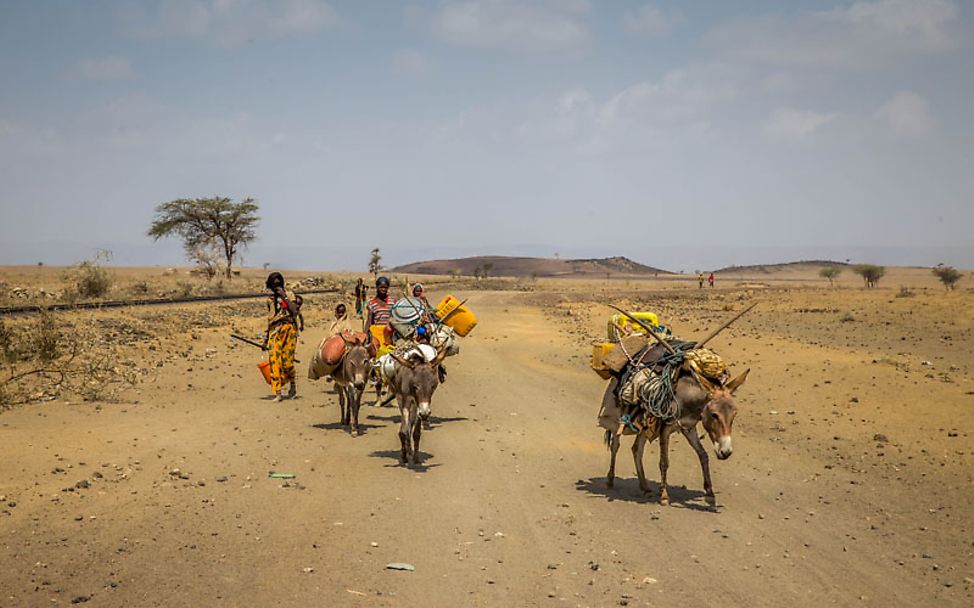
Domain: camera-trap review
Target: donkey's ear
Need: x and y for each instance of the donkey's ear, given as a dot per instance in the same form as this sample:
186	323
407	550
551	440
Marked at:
440	355
734	384
404	362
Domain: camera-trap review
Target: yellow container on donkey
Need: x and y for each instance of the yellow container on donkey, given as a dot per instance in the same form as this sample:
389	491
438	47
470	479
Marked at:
599	351
621	320
457	315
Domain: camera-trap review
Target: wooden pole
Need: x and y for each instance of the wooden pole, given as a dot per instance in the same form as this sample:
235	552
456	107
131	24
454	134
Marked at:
725	326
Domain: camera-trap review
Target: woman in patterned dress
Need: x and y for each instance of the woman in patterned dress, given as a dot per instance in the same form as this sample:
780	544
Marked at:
281	338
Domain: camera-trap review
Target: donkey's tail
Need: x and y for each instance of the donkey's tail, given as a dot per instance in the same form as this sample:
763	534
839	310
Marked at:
608	439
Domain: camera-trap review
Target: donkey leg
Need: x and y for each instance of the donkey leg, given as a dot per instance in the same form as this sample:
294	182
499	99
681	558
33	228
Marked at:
354	400
664	463
342	404
614	441
403	431
417	433
694	439
638	445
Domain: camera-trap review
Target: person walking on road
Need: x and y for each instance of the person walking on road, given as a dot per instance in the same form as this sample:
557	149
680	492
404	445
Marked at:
281	337
361	292
379	307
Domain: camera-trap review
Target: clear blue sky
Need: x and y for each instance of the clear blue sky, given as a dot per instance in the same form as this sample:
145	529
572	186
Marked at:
682	134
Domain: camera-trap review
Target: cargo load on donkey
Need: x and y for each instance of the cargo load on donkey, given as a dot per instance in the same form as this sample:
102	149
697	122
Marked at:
413	322
660	388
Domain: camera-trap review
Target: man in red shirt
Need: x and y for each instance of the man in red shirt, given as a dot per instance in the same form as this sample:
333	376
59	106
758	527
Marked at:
380	306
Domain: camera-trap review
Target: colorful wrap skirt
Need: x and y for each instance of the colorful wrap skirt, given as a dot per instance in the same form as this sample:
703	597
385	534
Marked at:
281	344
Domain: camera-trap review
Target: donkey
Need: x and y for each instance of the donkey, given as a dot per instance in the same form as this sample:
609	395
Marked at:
414	382
350	379
699	401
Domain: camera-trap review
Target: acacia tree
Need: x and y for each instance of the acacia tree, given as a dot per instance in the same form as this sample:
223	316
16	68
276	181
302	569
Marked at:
374	262
870	273
948	275
204	222
830	273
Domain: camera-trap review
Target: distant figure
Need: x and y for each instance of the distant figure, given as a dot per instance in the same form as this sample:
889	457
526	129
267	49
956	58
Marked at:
361	291
711	279
700	280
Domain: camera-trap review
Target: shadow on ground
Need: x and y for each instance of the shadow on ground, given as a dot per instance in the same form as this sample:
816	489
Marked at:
422	467
335	426
434	420
628	490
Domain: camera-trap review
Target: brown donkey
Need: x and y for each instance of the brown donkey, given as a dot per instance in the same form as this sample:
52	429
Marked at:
414	383
350	378
699	401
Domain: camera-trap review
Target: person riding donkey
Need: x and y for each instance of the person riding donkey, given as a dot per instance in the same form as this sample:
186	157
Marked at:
341	322
281	338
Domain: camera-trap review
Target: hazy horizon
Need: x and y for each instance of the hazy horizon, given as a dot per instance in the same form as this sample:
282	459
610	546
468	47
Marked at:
683	136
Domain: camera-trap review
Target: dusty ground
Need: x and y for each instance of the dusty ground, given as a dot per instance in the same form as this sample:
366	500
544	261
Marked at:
851	481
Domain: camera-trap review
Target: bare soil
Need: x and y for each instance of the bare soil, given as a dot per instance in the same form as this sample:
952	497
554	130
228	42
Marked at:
851	482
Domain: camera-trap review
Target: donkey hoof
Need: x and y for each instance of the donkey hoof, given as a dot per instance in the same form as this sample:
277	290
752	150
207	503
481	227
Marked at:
664	500
610	482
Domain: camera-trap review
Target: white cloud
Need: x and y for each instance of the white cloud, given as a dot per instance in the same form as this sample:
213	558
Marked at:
647	20
228	22
862	35
907	114
795	125
683	95
113	67
410	62
536	25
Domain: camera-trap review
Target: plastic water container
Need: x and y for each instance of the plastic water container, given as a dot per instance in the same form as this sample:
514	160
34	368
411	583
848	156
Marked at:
599	351
265	370
457	316
649	318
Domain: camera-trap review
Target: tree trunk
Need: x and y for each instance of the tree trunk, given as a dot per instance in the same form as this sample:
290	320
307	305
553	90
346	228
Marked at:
228	251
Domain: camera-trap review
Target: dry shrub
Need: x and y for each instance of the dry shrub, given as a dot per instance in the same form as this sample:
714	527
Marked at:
42	361
89	280
139	288
184	289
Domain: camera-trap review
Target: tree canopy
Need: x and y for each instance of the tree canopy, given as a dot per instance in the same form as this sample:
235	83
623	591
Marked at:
870	273
948	275
205	223
830	273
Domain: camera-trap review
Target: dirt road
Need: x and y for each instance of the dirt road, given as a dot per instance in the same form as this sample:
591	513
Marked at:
166	502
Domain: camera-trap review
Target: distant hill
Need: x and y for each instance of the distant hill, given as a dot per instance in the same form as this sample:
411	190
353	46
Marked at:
504	266
785	266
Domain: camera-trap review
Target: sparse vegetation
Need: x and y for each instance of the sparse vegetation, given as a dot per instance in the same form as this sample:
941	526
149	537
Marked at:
43	361
870	274
375	263
89	279
206	225
830	273
948	275
905	292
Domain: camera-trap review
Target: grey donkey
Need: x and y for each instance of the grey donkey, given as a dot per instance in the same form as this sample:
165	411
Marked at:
414	382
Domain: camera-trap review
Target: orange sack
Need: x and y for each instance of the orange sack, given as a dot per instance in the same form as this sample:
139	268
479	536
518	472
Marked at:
332	350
